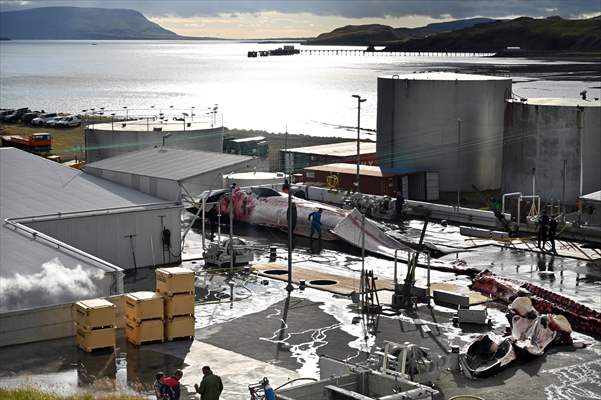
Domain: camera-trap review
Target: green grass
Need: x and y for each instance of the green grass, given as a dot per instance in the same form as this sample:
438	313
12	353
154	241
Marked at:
67	143
34	394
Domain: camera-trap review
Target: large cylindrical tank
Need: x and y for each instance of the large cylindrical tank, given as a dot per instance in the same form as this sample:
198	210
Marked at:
545	137
243	179
111	139
418	126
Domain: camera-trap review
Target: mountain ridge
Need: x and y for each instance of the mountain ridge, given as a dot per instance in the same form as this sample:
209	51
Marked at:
529	34
378	34
80	23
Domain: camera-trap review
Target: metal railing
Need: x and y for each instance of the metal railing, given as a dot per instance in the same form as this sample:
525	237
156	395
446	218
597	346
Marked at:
99	211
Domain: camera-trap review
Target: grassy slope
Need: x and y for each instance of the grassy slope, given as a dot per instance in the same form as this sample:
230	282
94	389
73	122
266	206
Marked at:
361	35
550	34
33	394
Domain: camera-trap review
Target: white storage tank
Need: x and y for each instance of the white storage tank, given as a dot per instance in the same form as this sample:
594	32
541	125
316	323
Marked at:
243	179
114	138
556	140
418	126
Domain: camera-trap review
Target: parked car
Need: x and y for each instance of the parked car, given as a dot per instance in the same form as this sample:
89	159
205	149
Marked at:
69	122
53	122
15	116
28	117
4	112
42	119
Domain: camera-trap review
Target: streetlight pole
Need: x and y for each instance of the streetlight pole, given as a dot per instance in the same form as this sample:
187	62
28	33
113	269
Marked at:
458	163
291	215
359	101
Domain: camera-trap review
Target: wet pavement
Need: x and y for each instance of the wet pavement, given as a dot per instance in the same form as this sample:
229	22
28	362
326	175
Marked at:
262	331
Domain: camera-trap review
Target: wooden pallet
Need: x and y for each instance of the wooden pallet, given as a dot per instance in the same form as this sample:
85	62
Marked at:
140	343
171	339
175	293
92	349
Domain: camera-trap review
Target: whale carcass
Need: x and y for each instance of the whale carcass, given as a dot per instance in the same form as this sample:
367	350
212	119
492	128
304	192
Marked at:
582	318
268	207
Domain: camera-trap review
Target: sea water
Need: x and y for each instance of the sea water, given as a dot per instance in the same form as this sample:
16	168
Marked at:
306	94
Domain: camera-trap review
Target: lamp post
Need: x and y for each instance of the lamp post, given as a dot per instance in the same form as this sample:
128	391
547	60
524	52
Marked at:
165	136
290	215
126	113
359	101
112	121
458	166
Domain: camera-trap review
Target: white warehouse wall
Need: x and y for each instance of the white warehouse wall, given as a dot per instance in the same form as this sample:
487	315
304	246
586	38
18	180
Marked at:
106	235
165	189
417	126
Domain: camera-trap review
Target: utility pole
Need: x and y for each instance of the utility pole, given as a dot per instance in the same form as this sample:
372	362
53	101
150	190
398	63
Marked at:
231	244
289	287
458	163
580	125
563	185
359	101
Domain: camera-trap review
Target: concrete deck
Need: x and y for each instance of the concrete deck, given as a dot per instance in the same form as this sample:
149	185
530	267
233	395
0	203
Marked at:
263	332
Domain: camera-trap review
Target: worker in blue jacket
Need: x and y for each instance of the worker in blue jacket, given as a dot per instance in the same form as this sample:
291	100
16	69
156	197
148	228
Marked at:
315	218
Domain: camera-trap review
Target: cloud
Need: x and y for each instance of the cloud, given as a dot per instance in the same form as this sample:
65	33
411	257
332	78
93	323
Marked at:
436	9
54	284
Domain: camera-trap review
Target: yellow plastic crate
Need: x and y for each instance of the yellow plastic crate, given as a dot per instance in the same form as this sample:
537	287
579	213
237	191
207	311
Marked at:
95	313
179	304
89	340
148	330
143	305
179	327
174	280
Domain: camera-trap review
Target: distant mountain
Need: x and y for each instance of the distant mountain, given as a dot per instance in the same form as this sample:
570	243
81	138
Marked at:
80	23
450	26
383	34
359	35
530	34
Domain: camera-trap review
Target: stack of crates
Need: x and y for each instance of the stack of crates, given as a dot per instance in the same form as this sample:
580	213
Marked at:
95	322
176	285
143	317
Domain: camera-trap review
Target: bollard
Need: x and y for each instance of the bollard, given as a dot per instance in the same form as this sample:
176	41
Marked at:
454	358
272	253
302	284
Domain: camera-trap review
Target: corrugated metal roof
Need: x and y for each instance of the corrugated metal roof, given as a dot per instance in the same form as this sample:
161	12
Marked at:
343	149
169	163
31	185
346	168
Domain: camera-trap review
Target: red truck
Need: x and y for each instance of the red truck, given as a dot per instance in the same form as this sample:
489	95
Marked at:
35	143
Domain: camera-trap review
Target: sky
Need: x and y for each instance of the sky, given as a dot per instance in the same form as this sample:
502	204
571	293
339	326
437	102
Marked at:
245	19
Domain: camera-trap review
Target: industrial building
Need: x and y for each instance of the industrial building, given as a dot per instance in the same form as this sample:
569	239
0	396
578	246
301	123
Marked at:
67	235
114	138
590	206
446	122
256	146
552	147
295	160
169	173
412	184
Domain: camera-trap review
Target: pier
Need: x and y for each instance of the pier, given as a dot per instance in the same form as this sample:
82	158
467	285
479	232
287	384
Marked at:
357	52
